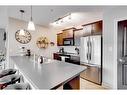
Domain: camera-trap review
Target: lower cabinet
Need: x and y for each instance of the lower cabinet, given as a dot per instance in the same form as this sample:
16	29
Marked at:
68	58
73	84
56	56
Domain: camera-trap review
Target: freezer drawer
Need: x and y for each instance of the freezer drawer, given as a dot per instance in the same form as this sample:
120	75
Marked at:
93	74
124	71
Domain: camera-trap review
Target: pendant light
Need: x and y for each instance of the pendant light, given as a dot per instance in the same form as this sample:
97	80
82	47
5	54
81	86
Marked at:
21	31
31	25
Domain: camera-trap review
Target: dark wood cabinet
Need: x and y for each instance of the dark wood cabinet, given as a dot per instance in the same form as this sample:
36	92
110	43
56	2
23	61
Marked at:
68	33
94	28
87	30
78	33
97	27
60	39
56	56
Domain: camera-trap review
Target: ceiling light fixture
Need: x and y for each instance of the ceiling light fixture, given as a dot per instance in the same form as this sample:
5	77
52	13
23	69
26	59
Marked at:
31	25
21	31
63	19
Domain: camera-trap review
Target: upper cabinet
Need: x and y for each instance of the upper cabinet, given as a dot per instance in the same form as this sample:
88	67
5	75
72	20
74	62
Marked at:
60	39
68	33
78	33
97	27
87	30
92	28
72	36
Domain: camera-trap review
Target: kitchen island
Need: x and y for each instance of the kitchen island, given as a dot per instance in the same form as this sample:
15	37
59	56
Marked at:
49	75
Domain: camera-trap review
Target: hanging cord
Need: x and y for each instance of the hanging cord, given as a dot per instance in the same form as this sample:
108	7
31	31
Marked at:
31	14
22	11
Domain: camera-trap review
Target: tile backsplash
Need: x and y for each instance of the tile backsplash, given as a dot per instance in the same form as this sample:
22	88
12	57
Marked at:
69	49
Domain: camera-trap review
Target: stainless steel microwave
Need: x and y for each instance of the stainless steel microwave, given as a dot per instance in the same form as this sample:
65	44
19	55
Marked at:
68	42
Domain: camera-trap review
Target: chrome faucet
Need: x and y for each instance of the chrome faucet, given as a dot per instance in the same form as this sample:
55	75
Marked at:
61	50
77	50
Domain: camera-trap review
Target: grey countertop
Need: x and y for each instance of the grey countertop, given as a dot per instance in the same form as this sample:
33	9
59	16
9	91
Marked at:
49	74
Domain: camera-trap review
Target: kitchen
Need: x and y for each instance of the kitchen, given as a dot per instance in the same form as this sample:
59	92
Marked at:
78	42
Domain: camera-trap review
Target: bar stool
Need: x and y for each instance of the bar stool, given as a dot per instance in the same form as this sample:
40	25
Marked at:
18	86
9	79
7	72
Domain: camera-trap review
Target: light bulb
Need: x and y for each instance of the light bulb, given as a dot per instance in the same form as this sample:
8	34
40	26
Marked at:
22	32
31	26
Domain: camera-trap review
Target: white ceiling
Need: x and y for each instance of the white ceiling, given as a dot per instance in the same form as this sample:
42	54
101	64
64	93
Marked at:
44	15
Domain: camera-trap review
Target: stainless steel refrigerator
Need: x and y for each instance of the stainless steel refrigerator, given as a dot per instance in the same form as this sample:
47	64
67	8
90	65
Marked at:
91	56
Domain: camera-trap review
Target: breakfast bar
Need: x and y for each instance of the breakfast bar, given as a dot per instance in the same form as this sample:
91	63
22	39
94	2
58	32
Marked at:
51	74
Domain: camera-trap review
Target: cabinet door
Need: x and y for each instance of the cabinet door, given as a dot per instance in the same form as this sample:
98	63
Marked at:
68	33
87	30
77	35
97	27
60	39
56	56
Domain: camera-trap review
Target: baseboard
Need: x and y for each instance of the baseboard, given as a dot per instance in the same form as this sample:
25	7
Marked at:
107	86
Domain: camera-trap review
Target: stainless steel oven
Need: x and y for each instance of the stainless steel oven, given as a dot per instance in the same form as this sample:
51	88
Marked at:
68	41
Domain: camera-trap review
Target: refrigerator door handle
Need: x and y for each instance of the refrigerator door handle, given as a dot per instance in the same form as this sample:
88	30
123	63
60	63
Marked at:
87	54
125	39
90	49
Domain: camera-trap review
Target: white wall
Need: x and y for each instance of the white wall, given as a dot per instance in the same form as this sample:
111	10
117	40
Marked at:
110	45
3	17
14	46
4	25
